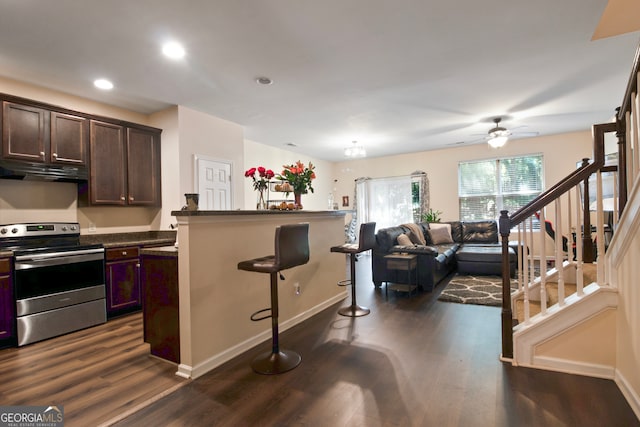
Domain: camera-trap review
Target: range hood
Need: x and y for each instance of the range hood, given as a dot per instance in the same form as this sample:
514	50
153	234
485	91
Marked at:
42	172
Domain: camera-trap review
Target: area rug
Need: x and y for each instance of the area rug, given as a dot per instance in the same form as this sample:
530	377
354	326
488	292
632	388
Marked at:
478	290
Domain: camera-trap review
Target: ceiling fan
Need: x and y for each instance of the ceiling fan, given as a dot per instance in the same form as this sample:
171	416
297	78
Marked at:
498	135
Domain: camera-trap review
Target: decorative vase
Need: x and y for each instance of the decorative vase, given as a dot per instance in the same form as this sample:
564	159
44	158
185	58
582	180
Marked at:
297	197
262	203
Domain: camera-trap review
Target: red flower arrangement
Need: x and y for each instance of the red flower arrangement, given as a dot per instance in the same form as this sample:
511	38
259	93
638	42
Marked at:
299	176
262	181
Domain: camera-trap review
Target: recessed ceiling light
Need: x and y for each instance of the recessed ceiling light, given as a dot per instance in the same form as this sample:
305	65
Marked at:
173	50
264	80
103	84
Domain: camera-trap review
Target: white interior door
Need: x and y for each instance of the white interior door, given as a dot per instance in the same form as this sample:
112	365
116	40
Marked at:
213	184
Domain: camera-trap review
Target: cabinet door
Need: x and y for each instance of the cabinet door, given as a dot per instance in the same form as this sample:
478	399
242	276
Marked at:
69	135
123	286
7	312
161	320
23	132
108	174
143	167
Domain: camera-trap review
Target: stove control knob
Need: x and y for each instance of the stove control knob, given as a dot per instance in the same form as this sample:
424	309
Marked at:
64	228
73	228
14	230
3	231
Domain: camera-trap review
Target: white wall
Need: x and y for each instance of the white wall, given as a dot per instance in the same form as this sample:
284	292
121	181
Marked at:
561	152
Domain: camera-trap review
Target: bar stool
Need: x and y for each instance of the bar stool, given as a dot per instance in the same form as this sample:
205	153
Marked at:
366	241
291	249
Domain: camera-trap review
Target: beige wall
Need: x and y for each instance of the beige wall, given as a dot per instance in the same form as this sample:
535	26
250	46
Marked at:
167	120
576	344
204	135
256	154
561	152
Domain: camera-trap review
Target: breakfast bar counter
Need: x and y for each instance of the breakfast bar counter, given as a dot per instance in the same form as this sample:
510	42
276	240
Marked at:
216	299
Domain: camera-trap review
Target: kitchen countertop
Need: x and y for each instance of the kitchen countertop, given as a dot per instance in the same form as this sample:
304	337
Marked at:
160	251
255	212
138	238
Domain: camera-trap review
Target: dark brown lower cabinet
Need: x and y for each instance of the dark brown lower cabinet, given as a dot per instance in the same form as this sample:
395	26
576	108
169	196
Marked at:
123	280
160	305
7	305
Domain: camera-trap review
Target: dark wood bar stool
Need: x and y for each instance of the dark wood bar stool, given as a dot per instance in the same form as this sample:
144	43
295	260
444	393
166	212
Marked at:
291	249
366	241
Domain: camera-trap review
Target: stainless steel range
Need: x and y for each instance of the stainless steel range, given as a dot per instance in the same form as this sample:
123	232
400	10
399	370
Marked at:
59	284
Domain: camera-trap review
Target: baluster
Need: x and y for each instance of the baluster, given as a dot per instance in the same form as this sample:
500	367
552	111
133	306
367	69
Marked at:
559	262
525	279
599	228
543	264
578	243
521	243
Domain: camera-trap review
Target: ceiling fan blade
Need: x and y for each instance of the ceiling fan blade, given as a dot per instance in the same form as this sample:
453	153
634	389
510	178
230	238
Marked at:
525	134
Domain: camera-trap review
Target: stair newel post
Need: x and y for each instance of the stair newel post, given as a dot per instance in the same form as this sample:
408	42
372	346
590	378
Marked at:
587	243
504	224
621	134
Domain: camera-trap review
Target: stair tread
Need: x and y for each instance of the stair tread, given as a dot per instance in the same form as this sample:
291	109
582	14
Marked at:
535	307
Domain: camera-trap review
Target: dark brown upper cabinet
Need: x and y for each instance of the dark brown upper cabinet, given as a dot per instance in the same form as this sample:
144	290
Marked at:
143	167
125	165
69	138
39	135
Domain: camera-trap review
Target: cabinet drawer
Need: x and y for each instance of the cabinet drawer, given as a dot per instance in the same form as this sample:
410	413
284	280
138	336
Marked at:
122	253
5	266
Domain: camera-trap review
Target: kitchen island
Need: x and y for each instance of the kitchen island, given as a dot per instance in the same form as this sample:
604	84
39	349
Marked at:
216	299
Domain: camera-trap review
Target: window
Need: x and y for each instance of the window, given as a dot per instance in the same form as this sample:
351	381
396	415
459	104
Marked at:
391	201
486	187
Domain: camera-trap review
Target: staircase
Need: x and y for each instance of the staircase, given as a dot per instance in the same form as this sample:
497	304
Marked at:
580	314
589	275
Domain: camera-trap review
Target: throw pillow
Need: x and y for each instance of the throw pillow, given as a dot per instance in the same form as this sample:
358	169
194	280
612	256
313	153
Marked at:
440	233
415	239
404	240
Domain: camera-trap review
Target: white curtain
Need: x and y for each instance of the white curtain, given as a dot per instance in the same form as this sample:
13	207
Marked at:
387	201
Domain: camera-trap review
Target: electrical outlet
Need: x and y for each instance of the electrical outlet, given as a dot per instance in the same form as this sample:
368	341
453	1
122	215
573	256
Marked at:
92	227
296	287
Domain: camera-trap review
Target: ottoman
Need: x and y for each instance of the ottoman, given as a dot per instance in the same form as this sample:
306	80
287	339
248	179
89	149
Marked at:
484	260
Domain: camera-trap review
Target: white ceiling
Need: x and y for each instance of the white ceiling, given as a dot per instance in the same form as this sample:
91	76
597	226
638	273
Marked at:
397	75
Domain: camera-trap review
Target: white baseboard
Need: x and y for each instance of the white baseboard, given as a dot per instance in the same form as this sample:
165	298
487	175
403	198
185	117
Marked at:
574	367
216	360
629	393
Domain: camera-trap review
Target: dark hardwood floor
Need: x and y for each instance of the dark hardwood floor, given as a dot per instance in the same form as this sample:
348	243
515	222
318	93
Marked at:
97	374
411	362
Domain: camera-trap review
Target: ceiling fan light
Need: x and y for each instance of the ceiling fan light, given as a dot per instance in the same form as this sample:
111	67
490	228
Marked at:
497	141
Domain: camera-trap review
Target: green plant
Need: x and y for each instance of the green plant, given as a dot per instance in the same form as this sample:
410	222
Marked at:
431	216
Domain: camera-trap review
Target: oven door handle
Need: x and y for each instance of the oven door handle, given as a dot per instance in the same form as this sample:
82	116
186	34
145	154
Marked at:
25	262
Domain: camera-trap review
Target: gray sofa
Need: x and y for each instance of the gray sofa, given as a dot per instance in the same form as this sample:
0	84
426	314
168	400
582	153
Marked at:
473	248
